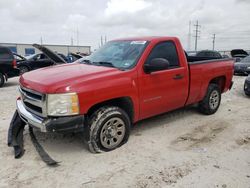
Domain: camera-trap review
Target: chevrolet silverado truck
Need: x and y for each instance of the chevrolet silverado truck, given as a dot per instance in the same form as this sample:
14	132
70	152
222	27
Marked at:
123	82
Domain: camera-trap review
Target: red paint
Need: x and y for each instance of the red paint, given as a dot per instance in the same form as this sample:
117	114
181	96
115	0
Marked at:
151	93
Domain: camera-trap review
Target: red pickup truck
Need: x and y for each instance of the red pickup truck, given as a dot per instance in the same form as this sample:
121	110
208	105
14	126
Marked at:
125	81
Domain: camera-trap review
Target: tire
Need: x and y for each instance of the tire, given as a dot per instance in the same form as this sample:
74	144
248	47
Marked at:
2	79
23	69
211	102
245	90
107	129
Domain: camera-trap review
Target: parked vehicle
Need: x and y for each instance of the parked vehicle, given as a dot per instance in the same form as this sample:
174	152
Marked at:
225	56
7	65
125	81
209	54
74	57
40	60
238	54
242	67
247	86
18	57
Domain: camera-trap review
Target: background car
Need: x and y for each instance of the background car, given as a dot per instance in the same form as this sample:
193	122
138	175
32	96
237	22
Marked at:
242	67
7	65
209	54
238	54
40	60
18	57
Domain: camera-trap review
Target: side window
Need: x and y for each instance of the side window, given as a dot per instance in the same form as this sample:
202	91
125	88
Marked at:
42	56
166	50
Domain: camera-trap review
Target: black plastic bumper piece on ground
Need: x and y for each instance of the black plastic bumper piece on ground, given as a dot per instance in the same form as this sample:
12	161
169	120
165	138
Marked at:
15	135
43	154
15	140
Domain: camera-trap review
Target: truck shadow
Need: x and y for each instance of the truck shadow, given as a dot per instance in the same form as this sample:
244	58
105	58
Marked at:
74	142
164	119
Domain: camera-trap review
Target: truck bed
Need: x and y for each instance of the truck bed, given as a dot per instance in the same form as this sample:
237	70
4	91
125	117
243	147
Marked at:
204	72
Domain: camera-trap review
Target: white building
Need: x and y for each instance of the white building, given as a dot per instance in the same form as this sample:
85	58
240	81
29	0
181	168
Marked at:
28	49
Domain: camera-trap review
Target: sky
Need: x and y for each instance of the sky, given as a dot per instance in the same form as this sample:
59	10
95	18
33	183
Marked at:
57	21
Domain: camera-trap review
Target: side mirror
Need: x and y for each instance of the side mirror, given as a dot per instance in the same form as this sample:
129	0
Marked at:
156	64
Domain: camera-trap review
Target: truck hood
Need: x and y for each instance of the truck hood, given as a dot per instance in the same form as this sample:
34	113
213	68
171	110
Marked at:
62	78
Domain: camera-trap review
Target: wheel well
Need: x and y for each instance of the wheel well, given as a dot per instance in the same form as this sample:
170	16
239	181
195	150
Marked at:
4	76
220	81
124	103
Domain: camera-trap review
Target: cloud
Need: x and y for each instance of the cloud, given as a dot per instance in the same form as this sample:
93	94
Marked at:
57	21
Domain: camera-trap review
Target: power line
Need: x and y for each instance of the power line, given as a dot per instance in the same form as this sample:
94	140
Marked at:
197	32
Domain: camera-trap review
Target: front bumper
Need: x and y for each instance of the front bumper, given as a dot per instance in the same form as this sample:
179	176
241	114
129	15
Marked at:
61	124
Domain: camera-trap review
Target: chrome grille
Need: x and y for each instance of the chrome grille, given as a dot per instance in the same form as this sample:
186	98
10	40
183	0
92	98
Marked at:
33	101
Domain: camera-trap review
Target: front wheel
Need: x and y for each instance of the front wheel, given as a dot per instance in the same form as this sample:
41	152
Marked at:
211	102
2	79
108	129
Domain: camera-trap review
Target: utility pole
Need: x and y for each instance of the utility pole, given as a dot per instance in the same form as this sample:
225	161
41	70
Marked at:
101	41
105	39
197	32
189	36
213	41
41	40
72	41
77	39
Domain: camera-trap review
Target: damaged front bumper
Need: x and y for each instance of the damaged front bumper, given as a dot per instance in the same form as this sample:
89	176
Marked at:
60	124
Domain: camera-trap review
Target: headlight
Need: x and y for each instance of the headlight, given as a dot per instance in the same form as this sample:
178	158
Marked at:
62	104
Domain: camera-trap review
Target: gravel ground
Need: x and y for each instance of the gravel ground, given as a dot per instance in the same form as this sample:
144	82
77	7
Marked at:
177	149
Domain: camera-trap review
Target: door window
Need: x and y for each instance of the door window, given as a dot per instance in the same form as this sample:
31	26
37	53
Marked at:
166	50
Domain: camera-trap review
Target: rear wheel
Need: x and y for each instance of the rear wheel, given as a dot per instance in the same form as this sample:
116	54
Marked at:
108	129
211	102
23	69
2	79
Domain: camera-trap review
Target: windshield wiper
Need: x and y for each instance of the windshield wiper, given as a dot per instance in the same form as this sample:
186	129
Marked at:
86	61
109	64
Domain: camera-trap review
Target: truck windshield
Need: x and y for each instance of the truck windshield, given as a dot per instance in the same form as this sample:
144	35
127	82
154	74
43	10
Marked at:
119	54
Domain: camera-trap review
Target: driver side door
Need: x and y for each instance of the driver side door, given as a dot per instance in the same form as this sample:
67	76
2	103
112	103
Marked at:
164	90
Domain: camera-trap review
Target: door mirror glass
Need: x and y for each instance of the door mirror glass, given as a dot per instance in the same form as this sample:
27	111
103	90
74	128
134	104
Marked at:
156	64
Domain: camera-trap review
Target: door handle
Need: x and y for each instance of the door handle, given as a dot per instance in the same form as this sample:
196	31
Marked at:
178	77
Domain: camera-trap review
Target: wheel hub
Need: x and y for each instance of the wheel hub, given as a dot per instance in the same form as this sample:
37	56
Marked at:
112	133
214	100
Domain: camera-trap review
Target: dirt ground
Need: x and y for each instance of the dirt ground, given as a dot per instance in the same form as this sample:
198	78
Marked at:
177	149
